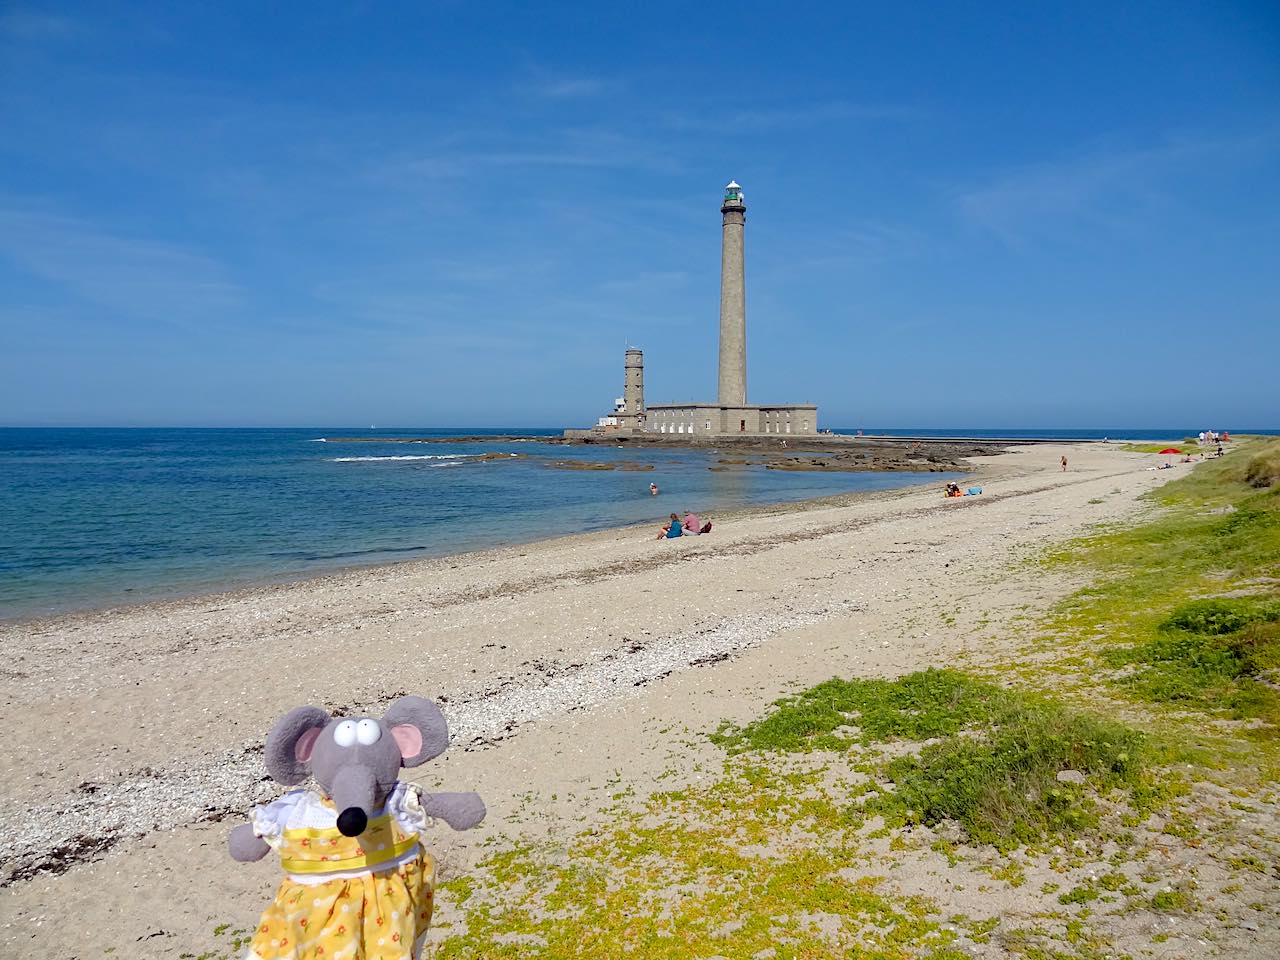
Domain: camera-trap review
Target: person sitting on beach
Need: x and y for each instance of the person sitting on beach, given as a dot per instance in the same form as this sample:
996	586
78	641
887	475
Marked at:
953	489
692	525
672	529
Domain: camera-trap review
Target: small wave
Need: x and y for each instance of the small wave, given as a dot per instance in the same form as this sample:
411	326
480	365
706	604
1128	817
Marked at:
344	554
423	456
320	440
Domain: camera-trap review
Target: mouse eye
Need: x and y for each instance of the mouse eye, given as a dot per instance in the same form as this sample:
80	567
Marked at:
368	732
344	734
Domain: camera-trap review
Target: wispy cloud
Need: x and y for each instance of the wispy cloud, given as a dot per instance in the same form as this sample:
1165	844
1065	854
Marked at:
482	155
26	23
138	277
566	88
786	116
543	84
1104	189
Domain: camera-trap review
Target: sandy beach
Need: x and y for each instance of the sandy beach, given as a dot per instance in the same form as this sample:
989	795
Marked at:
568	669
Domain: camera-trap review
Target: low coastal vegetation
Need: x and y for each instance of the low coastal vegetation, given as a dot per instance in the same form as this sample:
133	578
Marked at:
1184	610
1009	767
1217	655
791	846
1188	444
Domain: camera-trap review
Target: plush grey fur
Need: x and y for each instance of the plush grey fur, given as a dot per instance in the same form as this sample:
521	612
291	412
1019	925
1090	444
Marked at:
358	777
282	763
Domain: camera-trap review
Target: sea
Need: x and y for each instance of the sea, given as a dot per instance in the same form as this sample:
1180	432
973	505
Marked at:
97	517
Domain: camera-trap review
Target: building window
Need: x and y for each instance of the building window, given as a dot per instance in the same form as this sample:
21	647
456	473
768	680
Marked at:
788	426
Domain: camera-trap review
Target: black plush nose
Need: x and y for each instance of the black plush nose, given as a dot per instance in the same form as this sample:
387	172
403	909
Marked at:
352	821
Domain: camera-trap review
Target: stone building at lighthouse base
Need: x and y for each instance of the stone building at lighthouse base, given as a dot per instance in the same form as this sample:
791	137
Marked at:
711	419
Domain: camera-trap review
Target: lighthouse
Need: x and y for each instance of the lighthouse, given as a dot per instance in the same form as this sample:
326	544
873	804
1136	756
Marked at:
733	299
729	415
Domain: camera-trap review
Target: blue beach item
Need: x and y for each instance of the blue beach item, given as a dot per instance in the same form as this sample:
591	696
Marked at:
974	491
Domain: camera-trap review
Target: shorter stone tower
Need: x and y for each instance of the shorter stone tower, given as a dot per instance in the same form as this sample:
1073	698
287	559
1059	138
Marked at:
631	415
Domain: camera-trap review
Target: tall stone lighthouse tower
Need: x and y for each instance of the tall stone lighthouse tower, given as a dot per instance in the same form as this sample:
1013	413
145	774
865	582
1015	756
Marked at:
733	301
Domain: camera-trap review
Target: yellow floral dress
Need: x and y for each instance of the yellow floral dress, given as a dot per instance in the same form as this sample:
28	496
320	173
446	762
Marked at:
345	898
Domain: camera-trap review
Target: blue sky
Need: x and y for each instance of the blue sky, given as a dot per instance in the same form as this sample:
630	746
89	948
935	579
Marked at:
459	214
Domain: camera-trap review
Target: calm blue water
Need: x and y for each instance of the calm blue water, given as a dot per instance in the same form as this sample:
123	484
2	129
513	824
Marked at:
94	517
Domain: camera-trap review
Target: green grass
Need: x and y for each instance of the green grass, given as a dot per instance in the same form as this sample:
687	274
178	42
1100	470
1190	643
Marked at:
714	869
731	863
1159	609
1263	469
839	713
1003	788
1189	444
1214	655
992	766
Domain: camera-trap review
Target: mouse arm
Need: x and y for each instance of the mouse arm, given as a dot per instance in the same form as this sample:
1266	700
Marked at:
245	845
461	811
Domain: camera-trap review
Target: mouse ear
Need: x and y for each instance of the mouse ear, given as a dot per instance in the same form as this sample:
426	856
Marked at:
419	729
291	741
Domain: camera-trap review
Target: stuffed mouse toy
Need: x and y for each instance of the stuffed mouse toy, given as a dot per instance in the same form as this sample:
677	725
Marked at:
358	882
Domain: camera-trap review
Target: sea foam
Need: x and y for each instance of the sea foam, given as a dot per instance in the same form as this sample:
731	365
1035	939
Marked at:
424	456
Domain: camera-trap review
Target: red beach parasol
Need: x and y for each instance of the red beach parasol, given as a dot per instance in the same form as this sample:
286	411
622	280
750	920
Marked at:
1170	450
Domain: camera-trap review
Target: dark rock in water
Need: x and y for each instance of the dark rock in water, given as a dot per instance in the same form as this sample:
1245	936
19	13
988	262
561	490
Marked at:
631	466
576	465
861	463
813	453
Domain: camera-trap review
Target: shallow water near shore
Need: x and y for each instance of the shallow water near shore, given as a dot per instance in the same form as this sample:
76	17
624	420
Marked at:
96	517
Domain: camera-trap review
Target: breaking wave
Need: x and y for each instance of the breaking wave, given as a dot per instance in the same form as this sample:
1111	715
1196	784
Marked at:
424	456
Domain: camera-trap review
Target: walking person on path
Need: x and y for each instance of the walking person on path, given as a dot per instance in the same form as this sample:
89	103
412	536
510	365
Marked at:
1064	463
